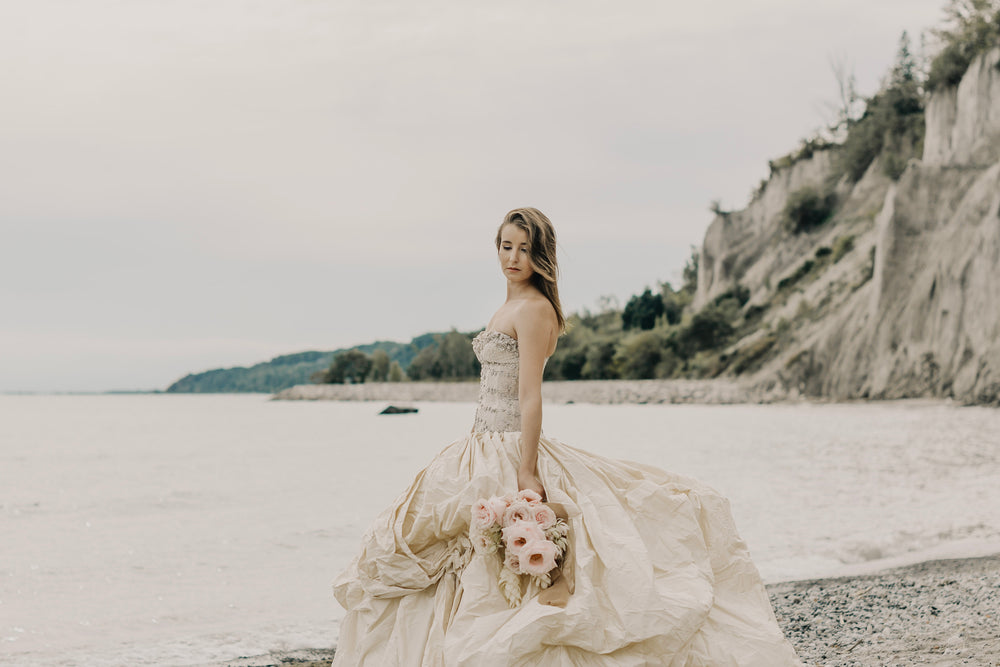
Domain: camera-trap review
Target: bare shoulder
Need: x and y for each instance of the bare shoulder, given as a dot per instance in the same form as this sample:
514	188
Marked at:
536	318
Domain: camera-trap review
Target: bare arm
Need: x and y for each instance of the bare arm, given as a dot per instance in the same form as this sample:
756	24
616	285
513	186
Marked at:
534	331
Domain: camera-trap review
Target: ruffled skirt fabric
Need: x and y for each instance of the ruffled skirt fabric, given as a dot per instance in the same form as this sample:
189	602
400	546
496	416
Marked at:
660	575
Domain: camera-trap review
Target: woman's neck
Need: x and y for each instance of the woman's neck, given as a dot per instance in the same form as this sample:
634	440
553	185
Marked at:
520	290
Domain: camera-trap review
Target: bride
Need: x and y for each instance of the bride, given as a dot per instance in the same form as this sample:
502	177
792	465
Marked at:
654	574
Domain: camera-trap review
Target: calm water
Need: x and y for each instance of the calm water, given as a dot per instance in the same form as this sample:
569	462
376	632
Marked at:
183	530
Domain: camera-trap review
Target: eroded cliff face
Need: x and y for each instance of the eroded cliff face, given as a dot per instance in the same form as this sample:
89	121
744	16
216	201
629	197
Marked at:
914	308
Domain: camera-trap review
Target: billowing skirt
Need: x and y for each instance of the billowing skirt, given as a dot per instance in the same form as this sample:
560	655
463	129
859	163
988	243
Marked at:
659	575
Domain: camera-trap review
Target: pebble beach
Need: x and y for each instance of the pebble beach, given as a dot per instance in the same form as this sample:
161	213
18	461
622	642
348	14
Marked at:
940	613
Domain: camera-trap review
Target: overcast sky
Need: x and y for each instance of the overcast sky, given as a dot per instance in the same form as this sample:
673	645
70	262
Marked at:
187	185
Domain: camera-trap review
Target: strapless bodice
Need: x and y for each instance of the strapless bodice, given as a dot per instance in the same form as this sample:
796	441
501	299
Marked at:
498	408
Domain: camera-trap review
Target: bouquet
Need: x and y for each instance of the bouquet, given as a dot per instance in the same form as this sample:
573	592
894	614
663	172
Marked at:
524	534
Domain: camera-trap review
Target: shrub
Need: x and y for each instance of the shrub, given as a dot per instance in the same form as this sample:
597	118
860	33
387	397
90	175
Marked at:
708	329
973	28
841	246
738	292
638	356
798	275
750	357
599	364
807	209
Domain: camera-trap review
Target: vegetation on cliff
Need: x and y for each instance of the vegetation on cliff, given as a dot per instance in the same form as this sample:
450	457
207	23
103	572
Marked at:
660	333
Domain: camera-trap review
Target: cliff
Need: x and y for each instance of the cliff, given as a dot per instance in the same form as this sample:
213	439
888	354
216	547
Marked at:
912	307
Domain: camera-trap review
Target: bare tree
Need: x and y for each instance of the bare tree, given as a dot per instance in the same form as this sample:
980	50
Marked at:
849	106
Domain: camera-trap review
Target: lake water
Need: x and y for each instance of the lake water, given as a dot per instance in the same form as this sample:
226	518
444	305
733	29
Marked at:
185	530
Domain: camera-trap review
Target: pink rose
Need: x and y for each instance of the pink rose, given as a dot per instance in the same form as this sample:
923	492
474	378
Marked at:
483	515
529	495
499	506
543	516
519	510
520	533
537	557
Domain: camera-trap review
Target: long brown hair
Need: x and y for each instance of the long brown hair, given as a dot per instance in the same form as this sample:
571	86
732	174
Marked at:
541	252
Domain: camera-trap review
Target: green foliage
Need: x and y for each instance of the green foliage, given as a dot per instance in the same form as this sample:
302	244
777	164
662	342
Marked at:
806	209
642	310
972	28
841	246
448	357
738	292
599	363
805	151
716	208
801	272
348	367
266	377
396	372
674	303
709	328
752	356
379	371
892	125
638	356
690	274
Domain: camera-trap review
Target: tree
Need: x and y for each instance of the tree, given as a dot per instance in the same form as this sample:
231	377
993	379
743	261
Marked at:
351	366
641	311
903	92
426	365
380	366
673	303
849	105
395	372
690	274
972	27
457	357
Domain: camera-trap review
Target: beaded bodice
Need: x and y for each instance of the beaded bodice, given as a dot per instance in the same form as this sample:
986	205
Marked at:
498	408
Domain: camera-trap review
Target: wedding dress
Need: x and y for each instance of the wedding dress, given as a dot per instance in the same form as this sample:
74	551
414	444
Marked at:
659	574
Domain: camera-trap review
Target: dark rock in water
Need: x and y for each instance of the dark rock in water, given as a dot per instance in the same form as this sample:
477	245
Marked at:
397	410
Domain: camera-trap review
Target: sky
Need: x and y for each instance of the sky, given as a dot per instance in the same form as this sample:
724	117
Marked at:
187	185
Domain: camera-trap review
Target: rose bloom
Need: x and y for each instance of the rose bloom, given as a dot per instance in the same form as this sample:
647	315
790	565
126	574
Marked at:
499	505
530	495
519	510
544	516
537	557
483	516
520	533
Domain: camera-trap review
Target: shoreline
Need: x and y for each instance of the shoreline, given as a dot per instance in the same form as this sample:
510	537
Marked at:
594	392
600	392
938	612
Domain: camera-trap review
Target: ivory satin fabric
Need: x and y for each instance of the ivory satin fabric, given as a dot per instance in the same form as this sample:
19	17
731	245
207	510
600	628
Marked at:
660	575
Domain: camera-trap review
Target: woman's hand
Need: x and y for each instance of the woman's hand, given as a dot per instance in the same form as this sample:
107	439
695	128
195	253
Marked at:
526	479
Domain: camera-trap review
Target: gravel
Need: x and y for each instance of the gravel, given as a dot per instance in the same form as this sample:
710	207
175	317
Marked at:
943	612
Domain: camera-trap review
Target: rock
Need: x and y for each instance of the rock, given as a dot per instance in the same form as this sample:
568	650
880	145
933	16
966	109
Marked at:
397	410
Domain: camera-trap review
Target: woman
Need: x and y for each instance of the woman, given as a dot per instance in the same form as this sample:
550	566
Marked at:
655	573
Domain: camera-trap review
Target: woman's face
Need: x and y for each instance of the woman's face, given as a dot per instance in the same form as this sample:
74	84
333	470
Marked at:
513	253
